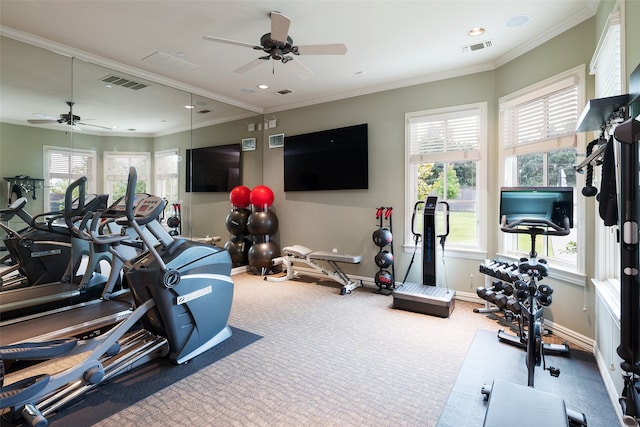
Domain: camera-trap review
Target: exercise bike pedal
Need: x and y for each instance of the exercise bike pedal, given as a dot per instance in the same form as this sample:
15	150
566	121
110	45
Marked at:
554	372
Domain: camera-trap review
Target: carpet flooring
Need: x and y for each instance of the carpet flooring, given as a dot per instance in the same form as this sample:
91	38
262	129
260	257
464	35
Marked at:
310	356
128	389
579	383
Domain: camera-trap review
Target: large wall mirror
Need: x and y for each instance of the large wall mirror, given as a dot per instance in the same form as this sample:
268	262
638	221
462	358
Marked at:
114	113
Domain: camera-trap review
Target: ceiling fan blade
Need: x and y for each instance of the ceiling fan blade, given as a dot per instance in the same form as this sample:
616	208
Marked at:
279	27
233	42
41	121
44	116
300	69
323	49
251	65
95	126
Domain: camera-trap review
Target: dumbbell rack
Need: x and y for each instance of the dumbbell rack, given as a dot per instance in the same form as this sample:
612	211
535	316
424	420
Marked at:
384	285
498	270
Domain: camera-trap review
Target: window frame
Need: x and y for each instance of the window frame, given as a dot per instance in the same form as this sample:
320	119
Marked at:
143	175
574	76
609	81
91	174
479	155
159	175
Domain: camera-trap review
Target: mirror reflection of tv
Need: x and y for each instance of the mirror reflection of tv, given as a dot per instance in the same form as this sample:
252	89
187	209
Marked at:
336	159
537	203
213	169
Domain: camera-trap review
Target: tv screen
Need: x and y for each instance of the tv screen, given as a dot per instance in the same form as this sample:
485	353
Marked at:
336	159
537	203
213	169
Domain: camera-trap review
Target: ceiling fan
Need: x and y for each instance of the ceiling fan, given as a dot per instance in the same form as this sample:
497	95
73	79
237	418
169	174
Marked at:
278	45
68	119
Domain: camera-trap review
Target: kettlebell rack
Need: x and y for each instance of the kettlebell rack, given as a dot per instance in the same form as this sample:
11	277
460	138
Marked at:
383	239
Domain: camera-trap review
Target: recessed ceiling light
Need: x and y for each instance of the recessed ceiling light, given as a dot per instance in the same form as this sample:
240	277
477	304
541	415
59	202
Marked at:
477	31
517	21
263	86
189	107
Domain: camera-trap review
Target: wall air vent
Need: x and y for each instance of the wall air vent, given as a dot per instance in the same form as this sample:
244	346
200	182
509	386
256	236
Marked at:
284	92
123	82
476	46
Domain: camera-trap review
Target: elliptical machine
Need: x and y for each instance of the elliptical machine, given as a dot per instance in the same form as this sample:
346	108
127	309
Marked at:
182	293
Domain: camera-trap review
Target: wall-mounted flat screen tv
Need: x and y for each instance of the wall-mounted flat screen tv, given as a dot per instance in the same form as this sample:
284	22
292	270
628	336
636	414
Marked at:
336	159
213	169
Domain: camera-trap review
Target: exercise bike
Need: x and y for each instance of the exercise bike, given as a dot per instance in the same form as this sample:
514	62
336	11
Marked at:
533	296
544	211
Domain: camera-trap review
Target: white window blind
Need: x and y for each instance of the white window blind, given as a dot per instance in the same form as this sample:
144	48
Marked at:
550	116
606	65
445	136
116	171
166	174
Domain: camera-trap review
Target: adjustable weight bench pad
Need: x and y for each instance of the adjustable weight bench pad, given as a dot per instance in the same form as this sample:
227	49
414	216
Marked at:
514	404
299	253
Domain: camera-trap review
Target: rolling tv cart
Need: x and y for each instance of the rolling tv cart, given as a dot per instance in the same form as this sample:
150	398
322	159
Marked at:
427	298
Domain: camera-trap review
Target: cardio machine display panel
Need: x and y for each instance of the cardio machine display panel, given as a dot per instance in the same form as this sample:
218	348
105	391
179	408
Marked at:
537	203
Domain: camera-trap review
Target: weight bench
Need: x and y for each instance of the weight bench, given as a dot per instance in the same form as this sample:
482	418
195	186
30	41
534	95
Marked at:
298	253
527	407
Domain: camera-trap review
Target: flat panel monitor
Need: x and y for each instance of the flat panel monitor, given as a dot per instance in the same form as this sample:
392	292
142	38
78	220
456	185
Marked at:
537	203
336	159
213	169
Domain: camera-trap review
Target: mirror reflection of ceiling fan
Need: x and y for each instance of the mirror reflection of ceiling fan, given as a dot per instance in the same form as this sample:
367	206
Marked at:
68	119
278	45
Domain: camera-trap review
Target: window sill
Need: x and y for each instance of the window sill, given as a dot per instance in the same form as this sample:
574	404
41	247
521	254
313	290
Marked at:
608	291
469	254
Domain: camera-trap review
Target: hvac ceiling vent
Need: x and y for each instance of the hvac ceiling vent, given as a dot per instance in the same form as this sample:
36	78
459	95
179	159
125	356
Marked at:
284	92
204	112
121	81
476	46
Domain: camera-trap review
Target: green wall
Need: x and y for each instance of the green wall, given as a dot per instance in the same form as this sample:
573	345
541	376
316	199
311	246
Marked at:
345	219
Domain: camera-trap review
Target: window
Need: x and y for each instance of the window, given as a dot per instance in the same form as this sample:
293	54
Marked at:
116	172
444	151
539	149
606	65
166	174
62	166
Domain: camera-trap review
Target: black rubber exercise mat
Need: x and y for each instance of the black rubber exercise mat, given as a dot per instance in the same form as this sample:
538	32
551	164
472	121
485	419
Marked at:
488	359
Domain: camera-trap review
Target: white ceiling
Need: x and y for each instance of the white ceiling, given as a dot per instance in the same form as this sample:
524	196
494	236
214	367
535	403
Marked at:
390	43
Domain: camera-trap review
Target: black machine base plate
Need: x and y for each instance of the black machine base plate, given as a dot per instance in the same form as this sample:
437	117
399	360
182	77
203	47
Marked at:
425	299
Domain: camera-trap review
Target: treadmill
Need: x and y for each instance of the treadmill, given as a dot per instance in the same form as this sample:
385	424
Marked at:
32	300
